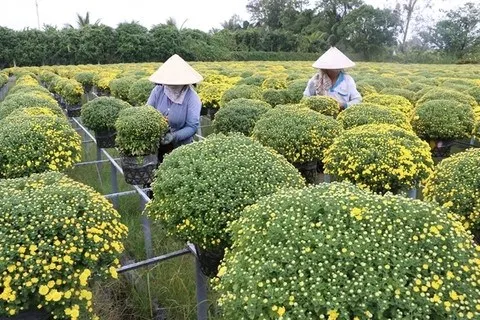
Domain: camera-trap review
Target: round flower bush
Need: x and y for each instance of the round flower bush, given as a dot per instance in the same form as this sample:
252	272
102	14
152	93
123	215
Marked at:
416	86
295	90
419	94
100	114
57	238
37	144
476	129
456	184
299	134
140	91
28	100
220	79
390	101
392	80
3	79
366	89
443	119
456	86
71	90
29	80
139	131
445	94
410	95
47	77
120	87
335	252
241	91
275	97
102	81
431	81
475	93
274	83
325	105
379	157
239	115
375	83
85	78
211	93
254	80
201	187
33	112
366	113
28	89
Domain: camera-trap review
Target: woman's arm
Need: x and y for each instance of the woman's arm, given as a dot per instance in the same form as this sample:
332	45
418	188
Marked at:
355	96
192	121
152	100
310	89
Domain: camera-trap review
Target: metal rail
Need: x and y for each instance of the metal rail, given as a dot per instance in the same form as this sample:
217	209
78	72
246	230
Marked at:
148	262
86	163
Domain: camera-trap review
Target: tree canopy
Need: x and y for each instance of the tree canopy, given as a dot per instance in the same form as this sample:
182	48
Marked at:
275	26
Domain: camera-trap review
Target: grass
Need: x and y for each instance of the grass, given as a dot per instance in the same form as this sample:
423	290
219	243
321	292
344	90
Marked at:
168	286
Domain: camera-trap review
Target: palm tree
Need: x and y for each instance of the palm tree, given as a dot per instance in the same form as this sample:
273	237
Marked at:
84	21
171	22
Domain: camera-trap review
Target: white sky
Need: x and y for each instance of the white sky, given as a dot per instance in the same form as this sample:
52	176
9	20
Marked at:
200	14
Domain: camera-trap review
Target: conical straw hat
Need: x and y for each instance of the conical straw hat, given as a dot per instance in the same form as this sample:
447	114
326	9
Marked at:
333	59
175	71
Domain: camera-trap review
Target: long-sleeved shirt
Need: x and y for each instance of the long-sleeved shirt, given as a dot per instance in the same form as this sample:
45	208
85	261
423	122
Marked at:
344	90
183	118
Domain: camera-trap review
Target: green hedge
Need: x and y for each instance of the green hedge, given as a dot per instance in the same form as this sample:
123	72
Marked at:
272	56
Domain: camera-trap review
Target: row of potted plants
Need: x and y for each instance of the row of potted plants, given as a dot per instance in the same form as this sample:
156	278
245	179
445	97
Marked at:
35	136
58	237
135	131
67	92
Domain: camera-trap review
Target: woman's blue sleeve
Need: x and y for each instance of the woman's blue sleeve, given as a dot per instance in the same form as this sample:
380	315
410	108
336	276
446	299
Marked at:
152	100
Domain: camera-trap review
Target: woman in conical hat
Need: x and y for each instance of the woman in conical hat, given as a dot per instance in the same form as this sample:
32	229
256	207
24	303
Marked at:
332	81
175	97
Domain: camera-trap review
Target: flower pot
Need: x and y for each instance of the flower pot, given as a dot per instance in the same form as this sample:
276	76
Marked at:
59	99
106	139
99	92
209	112
103	93
63	103
3	92
209	260
74	111
87	88
309	170
30	315
320	167
139	170
476	236
212	112
440	149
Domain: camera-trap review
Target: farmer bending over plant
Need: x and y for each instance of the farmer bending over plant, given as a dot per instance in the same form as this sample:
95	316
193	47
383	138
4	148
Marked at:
175	98
332	81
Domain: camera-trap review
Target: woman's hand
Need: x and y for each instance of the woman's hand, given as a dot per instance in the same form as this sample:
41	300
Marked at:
167	139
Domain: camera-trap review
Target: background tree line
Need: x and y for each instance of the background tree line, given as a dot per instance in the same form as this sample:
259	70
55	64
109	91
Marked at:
278	29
